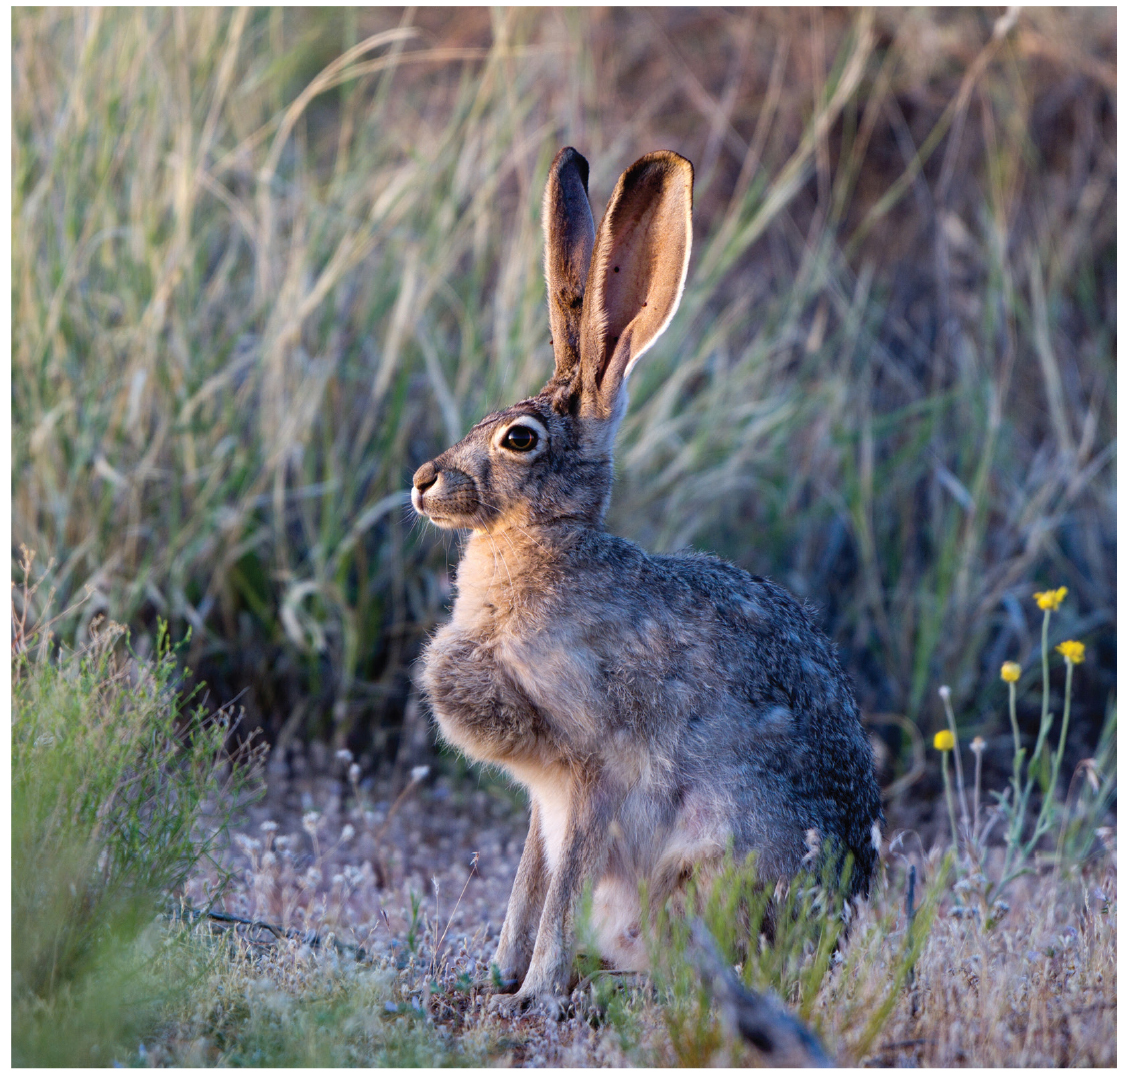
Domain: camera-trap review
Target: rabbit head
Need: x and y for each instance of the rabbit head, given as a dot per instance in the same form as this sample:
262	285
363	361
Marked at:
611	293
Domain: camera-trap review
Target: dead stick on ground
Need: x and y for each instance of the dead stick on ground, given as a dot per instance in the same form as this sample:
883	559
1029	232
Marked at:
313	940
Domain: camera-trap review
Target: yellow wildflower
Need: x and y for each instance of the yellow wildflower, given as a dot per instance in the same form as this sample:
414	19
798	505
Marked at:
1010	672
1072	651
944	740
1051	599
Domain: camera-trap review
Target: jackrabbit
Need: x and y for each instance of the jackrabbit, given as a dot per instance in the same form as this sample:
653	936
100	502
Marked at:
659	710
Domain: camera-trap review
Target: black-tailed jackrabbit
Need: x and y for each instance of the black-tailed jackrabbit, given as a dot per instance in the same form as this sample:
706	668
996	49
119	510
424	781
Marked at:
659	709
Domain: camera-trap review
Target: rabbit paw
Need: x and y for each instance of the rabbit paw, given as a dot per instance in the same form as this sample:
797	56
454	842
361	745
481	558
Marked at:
509	1005
521	1003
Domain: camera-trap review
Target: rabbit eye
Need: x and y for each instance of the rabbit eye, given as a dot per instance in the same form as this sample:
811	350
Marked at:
520	438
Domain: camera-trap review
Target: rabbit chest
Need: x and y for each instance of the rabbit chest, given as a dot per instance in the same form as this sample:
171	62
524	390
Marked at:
507	683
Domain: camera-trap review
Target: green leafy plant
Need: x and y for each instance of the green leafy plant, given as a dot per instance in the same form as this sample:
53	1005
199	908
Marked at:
112	777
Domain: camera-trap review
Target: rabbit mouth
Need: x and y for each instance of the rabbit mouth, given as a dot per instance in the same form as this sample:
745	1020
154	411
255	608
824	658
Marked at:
457	510
445	518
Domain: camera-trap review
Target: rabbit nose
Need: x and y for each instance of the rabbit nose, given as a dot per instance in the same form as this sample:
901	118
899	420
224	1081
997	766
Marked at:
425	476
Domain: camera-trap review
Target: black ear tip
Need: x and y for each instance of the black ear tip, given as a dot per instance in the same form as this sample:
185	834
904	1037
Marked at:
570	158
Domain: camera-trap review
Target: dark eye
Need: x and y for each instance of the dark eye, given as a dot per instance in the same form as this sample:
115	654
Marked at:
520	438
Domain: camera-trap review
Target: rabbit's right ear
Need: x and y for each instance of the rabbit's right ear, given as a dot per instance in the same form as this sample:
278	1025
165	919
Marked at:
569	233
637	274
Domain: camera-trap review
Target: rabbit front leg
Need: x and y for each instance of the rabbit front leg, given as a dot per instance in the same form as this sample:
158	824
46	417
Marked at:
582	858
522	915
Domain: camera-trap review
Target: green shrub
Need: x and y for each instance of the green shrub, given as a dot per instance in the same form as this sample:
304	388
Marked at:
110	778
792	939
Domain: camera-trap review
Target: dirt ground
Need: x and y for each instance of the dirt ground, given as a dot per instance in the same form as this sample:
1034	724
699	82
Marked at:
320	853
355	857
394	870
417	875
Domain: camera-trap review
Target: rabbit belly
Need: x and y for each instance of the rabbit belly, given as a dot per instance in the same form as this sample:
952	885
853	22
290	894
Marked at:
617	921
551	789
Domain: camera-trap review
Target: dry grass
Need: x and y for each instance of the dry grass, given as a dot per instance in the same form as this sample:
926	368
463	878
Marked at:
265	263
1038	990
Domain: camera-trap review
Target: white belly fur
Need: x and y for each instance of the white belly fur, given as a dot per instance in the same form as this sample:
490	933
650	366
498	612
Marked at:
617	924
551	790
615	904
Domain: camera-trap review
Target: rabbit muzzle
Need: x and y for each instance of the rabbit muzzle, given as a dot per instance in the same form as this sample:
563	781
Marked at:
448	497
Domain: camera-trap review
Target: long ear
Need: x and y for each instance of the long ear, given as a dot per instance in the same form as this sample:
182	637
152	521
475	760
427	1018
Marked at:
637	275
569	233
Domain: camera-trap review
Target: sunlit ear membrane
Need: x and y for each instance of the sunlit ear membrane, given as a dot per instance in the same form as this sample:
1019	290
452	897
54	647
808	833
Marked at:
637	275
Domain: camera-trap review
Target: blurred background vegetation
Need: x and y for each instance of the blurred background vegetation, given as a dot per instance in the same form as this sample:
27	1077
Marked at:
264	263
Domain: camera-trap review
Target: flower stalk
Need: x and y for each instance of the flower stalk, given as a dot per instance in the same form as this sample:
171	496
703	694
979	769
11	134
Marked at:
1018	852
1014	802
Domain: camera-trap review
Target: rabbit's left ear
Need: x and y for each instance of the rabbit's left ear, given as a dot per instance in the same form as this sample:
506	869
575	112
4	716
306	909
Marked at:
569	233
637	274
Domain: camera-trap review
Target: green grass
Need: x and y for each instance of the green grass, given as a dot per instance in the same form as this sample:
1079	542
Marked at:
266	263
287	1009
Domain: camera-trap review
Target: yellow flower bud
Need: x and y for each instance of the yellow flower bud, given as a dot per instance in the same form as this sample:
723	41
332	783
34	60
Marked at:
1051	599
944	740
1072	651
1010	672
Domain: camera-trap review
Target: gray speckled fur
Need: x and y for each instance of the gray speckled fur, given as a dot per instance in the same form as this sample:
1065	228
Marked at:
658	708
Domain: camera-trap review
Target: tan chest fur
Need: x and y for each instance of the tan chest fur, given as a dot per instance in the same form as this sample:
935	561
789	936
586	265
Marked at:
546	658
553	669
